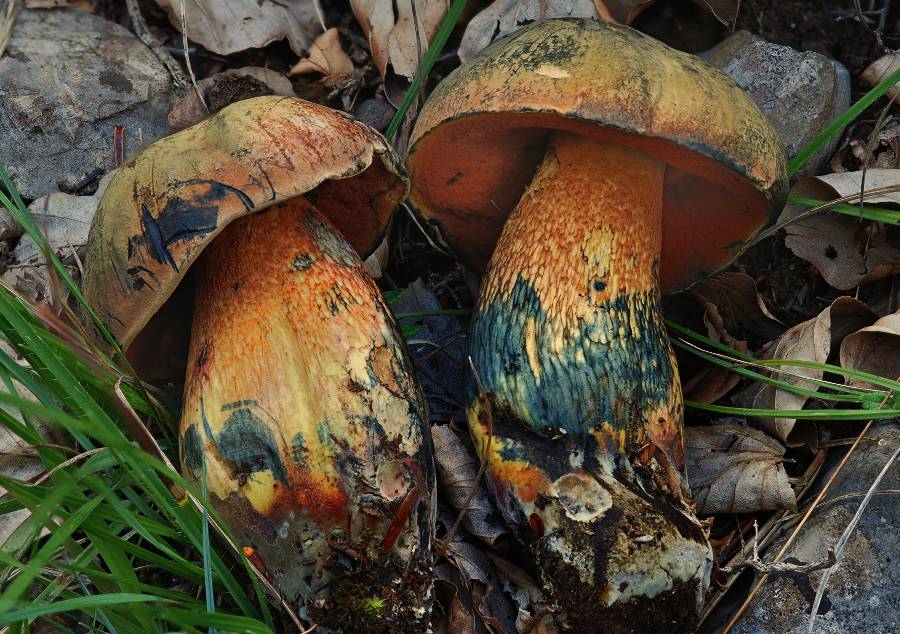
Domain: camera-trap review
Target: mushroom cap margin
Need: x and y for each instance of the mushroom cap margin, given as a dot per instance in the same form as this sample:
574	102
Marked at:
481	134
170	200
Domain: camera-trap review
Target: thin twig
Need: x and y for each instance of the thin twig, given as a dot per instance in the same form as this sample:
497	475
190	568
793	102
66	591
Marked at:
782	566
63	465
187	58
845	537
855	196
7	20
769	368
320	14
415	17
790	540
144	35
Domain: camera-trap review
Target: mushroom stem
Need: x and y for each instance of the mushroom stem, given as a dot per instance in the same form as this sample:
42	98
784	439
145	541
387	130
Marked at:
299	400
581	391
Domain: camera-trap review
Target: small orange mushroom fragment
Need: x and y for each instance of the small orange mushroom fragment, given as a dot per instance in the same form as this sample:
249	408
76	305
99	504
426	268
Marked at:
299	404
615	167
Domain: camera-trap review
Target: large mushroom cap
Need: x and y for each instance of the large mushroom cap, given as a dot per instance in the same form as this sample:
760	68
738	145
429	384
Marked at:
482	133
174	197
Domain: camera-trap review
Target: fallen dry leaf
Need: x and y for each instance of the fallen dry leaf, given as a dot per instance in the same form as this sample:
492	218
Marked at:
65	221
325	56
736	469
225	88
457	471
476	581
874	349
854	153
732	298
394	43
506	16
236	25
18	460
881	68
845	251
724	307
811	340
713	381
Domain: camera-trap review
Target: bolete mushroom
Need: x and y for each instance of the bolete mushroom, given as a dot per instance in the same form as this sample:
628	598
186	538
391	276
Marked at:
624	168
299	403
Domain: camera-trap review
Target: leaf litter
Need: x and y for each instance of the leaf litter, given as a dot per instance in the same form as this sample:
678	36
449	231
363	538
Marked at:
735	468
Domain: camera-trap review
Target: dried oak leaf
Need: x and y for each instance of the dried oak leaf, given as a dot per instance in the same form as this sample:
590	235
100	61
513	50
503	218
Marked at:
736	469
394	42
874	349
713	381
855	152
457	470
736	301
325	57
475	580
811	340
879	69
236	25
845	251
506	16
725	306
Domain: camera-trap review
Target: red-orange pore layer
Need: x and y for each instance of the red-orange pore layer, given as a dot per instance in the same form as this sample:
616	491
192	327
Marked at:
468	175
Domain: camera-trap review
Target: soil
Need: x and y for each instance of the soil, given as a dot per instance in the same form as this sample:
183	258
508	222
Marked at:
830	27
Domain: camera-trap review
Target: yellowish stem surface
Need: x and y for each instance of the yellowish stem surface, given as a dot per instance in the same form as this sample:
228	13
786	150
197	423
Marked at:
299	398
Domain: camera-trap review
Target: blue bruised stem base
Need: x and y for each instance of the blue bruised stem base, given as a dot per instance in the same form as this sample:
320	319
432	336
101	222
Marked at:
580	417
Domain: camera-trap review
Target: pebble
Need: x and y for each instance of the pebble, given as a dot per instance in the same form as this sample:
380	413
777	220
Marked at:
800	93
863	594
68	78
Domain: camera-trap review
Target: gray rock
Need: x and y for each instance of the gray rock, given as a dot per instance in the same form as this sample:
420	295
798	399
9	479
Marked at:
66	80
800	93
863	594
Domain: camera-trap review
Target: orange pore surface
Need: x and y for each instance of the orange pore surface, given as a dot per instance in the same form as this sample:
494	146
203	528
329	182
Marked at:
468	174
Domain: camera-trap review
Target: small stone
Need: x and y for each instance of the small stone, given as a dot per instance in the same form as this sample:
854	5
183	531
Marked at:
68	78
863	593
800	93
375	112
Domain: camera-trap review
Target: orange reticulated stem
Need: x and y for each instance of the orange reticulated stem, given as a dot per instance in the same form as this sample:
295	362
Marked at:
568	338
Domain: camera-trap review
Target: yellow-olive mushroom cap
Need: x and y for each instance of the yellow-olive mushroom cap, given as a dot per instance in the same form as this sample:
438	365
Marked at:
482	133
168	202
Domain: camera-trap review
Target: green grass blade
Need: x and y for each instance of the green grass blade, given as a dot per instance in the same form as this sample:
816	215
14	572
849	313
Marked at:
431	56
799	414
875	214
80	603
838	124
16	208
32	569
